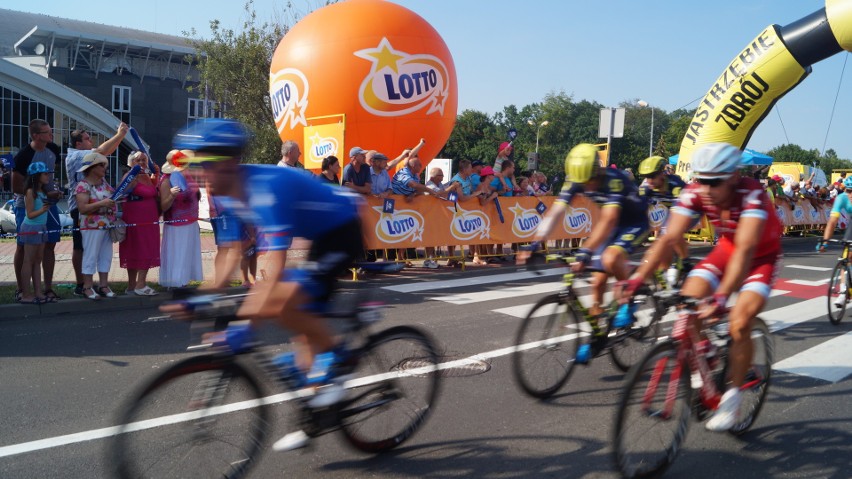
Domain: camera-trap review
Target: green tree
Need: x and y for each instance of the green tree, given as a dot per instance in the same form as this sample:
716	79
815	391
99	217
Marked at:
234	73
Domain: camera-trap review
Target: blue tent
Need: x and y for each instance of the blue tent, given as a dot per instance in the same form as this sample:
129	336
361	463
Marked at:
750	158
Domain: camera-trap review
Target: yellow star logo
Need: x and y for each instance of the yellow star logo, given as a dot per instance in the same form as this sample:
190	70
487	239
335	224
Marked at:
382	56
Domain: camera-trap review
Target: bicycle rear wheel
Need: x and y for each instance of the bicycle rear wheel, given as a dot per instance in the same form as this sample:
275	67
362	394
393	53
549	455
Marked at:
838	292
757	379
200	418
653	414
394	392
546	346
629	345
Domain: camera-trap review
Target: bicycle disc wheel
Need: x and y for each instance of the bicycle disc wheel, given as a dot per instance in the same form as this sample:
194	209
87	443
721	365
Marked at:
546	347
629	345
653	414
757	379
200	418
838	295
394	391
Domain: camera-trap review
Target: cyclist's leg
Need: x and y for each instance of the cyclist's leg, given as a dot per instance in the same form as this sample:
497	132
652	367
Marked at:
753	296
703	280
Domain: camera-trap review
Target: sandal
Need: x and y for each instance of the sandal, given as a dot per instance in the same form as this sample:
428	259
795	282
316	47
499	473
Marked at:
30	301
146	291
106	292
94	296
51	297
18	295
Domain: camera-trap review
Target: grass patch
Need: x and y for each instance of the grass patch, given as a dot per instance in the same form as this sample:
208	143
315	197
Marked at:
66	290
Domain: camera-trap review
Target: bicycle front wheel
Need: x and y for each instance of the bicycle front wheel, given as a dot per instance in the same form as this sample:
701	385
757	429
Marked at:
653	414
838	292
200	418
629	345
757	379
394	391
546	346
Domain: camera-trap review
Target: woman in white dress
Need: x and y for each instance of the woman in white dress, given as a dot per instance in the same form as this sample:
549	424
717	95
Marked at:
180	254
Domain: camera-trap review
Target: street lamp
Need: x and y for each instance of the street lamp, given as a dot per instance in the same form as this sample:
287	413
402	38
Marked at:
537	130
644	104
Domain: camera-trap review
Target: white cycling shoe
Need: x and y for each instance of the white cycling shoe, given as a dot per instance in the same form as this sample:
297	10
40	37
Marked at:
725	416
292	441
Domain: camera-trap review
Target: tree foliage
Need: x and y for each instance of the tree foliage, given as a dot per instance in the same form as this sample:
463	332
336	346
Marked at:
234	71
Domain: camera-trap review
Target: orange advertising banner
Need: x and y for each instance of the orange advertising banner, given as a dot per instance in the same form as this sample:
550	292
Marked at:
430	221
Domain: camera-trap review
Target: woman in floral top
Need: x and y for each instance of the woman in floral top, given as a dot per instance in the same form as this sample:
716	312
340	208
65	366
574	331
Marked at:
97	211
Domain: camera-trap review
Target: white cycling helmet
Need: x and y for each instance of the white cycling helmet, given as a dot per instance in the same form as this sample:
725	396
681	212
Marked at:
716	160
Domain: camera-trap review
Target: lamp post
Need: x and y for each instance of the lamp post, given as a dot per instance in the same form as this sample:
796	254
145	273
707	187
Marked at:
537	130
644	104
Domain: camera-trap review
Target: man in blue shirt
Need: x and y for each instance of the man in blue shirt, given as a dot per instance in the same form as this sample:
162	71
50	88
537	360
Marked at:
405	181
356	174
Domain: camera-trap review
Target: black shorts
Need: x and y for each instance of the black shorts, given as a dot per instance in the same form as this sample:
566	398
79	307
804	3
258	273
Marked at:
76	236
329	256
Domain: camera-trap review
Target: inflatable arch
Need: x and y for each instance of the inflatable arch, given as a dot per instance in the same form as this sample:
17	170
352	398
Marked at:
764	71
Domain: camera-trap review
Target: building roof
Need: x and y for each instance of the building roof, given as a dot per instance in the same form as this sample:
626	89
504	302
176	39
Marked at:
15	25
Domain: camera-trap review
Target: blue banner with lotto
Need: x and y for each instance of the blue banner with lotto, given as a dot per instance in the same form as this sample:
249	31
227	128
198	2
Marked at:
122	189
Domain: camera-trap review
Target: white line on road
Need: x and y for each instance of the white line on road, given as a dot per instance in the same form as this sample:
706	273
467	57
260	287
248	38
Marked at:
805	282
476	280
809	268
830	361
499	293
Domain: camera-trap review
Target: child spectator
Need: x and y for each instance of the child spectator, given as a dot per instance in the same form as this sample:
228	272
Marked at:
33	232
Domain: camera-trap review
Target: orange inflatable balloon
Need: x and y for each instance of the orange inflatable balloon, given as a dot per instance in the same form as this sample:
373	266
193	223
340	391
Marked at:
379	64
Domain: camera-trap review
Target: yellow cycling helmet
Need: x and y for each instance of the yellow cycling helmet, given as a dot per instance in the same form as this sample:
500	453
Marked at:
651	165
581	163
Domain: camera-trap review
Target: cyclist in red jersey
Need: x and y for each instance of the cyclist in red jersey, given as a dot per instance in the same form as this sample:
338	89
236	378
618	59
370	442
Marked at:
745	261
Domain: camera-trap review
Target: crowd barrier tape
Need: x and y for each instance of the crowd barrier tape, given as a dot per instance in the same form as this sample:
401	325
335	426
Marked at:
430	221
109	227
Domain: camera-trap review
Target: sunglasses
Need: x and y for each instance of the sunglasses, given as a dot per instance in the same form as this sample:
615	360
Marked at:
711	182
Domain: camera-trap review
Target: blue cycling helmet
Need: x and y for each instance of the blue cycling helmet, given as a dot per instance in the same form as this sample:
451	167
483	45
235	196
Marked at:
36	168
847	183
212	135
716	160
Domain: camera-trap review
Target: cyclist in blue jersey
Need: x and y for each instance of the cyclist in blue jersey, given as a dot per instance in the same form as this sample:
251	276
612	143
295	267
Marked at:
842	204
621	227
661	186
283	204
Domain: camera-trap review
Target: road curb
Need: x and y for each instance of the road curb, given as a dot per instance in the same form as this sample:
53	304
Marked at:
77	306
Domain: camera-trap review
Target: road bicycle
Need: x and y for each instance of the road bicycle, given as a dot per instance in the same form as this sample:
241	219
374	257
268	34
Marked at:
840	284
657	401
210	415
559	326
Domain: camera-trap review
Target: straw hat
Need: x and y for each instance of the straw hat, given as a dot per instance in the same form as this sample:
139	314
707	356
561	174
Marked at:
176	161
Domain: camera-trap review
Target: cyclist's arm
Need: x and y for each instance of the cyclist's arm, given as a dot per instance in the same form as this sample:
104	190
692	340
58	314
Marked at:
678	224
746	239
554	215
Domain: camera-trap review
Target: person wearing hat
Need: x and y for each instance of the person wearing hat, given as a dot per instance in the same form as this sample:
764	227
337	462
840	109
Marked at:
97	212
380	181
356	174
180	252
140	249
476	167
79	145
504	152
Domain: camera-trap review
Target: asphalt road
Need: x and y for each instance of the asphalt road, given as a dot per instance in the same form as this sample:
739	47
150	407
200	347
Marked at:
62	378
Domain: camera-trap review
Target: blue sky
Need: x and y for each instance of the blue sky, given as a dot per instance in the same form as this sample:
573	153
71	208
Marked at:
508	52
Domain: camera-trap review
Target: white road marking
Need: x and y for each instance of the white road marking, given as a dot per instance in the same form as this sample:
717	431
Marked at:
477	280
805	282
499	293
809	268
830	361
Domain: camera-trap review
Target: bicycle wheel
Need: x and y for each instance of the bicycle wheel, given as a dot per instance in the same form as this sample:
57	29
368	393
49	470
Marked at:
838	292
546	346
653	414
757	379
629	345
394	391
200	418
